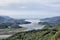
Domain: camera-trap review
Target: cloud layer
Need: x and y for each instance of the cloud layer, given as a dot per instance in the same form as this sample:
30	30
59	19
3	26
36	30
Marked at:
44	2
42	8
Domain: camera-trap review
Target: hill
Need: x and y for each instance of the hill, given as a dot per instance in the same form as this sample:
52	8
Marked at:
8	22
51	23
45	34
48	33
54	20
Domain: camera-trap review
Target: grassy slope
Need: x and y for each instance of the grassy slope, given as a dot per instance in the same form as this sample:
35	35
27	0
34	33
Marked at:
47	34
57	34
33	35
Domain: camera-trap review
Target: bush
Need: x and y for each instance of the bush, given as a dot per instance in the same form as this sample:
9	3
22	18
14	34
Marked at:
56	36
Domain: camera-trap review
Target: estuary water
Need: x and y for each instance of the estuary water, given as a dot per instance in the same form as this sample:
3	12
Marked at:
5	36
33	25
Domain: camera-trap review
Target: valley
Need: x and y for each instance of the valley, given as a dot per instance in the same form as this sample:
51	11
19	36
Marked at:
24	29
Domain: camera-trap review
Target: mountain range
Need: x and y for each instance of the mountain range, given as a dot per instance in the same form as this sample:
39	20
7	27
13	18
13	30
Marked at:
51	20
6	21
51	23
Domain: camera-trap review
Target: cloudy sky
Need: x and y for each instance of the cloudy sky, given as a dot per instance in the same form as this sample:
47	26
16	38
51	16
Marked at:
30	8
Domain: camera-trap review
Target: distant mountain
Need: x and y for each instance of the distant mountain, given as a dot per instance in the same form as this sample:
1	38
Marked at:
4	19
51	23
6	22
52	20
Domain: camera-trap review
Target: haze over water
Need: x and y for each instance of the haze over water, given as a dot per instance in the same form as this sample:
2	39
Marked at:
34	25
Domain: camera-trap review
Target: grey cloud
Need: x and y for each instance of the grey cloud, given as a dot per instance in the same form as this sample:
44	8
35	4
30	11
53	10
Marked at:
30	6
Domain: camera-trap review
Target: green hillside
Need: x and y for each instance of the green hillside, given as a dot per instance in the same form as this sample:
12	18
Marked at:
46	34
